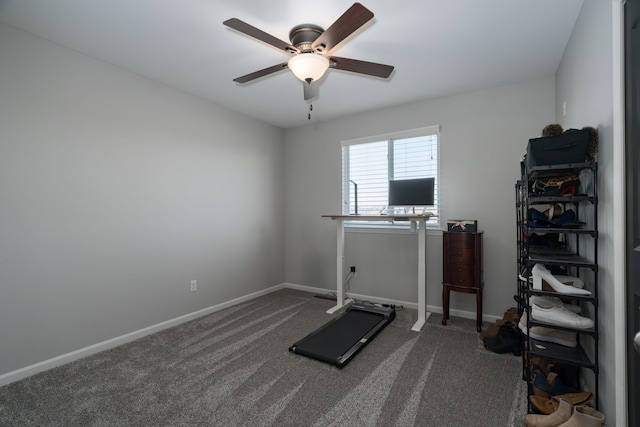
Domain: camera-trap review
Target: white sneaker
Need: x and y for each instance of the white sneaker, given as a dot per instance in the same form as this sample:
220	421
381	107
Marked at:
548	302
540	333
561	316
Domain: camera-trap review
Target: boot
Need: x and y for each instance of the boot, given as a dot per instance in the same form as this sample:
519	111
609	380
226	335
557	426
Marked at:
511	315
546	404
561	415
508	340
584	416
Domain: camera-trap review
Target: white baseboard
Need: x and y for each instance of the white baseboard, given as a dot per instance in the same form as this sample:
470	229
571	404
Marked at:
45	365
430	308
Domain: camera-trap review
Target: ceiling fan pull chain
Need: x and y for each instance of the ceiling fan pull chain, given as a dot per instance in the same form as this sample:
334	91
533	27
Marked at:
310	110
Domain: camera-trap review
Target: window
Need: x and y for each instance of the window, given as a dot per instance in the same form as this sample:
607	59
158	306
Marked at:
368	164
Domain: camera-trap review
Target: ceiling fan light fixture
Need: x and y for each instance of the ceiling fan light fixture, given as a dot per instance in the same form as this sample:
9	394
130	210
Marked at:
308	67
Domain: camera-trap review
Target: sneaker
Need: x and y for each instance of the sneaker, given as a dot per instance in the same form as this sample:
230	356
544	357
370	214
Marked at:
540	333
561	316
548	302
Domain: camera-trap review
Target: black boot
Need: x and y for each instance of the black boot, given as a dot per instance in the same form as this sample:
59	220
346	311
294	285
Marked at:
508	340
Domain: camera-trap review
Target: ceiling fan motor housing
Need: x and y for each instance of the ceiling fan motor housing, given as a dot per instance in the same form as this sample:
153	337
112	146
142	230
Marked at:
302	36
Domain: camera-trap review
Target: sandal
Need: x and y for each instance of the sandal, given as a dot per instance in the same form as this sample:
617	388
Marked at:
556	211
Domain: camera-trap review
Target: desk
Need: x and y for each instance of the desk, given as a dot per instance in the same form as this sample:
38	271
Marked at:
422	252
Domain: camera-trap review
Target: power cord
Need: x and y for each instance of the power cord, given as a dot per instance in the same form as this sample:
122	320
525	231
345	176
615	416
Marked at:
347	292
346	286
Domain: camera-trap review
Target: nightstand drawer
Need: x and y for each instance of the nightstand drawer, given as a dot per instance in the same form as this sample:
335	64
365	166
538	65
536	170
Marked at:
461	236
461	256
463	276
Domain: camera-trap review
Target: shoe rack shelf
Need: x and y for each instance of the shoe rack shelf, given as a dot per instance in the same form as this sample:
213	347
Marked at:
574	254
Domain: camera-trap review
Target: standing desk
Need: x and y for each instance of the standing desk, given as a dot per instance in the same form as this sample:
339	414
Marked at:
421	220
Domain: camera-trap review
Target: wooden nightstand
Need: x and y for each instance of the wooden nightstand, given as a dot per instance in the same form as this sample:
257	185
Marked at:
462	269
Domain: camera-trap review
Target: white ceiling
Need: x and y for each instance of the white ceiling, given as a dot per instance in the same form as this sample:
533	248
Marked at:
438	47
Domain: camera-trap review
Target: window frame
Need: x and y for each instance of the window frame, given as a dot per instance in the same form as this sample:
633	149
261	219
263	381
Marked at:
434	222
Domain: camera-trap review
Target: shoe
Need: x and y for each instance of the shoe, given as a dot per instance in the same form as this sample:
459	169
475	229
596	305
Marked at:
539	219
565	280
560	316
508	340
511	315
545	364
549	385
561	415
554	212
584	416
576	282
547	404
540	272
548	215
548	302
491	330
540	333
556	186
568	219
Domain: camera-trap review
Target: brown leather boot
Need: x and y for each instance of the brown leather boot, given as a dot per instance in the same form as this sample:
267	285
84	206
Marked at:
584	416
561	415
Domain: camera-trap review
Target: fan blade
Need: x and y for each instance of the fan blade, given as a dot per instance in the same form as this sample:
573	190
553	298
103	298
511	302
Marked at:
362	67
258	34
257	74
355	17
310	90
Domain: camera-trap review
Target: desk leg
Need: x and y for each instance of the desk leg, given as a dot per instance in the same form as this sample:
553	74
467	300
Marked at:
422	277
339	268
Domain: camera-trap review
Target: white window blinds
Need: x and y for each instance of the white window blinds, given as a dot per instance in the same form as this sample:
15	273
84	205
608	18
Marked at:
369	164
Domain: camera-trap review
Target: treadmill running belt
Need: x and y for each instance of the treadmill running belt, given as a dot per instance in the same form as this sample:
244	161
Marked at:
338	341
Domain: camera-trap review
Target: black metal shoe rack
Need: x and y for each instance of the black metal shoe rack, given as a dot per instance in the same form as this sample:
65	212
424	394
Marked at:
576	256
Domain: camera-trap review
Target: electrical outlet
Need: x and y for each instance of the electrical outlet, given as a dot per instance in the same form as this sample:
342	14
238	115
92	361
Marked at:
353	270
194	285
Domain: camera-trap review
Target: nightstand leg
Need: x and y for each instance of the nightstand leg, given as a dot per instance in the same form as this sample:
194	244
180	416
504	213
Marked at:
445	304
479	310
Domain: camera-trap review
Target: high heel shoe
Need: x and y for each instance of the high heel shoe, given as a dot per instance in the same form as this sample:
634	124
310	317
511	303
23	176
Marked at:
565	185
540	272
576	282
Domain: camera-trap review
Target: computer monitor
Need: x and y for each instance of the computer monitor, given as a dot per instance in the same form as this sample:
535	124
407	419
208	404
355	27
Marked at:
411	192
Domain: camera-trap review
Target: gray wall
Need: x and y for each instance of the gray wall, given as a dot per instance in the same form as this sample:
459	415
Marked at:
483	137
115	193
584	82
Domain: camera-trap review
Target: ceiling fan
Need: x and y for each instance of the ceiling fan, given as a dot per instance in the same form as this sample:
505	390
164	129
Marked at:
310	48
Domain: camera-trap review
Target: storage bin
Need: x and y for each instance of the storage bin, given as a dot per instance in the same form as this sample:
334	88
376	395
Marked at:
567	148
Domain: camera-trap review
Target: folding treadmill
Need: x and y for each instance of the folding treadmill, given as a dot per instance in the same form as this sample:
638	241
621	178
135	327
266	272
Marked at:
338	341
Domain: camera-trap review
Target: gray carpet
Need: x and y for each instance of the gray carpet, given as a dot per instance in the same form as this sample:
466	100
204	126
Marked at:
233	368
